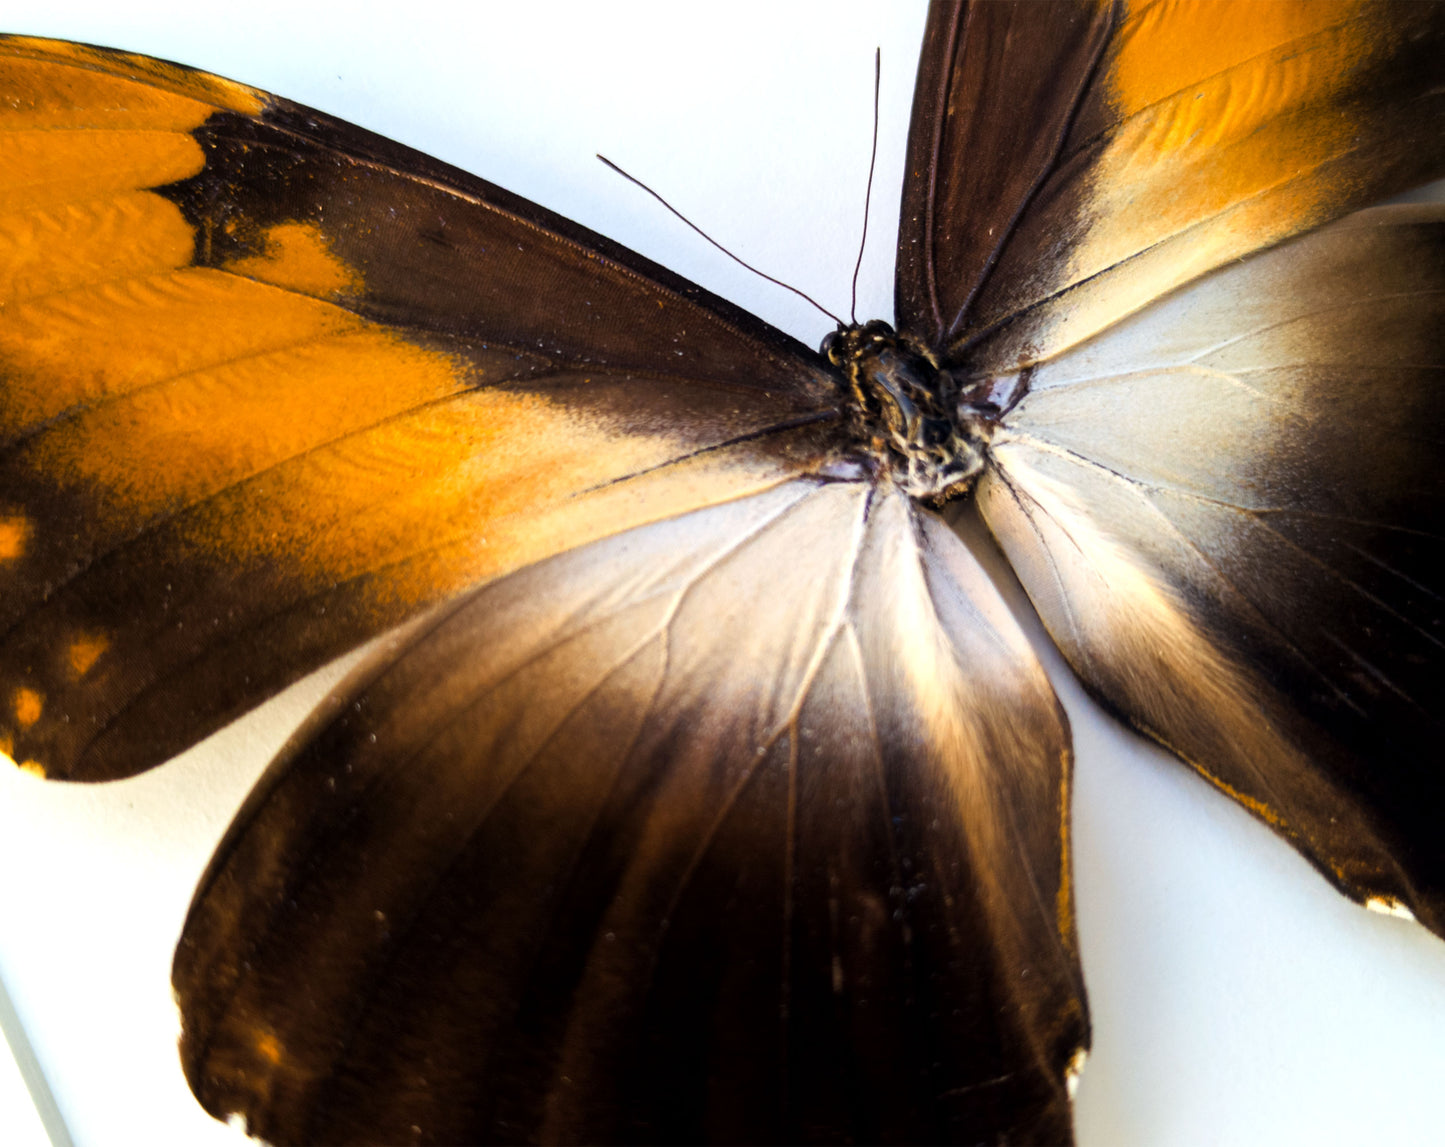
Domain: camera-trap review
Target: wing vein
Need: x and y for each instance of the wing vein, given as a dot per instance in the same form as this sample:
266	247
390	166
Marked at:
1139	490
885	803
1048	446
1003	809
1388	568
1091	676
1373	670
789	720
159	521
592	254
1143	489
1199	223
299	869
750	436
79	410
1345	305
939	119
417	905
182	667
1093	142
1017	495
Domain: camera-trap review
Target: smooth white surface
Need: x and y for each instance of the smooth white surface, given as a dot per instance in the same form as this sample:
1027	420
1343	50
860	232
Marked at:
20	1122
1236	998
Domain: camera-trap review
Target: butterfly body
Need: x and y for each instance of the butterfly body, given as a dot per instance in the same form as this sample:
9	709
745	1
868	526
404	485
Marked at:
705	754
906	414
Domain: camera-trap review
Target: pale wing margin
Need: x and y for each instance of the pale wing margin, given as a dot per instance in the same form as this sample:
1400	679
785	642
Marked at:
747	825
1230	511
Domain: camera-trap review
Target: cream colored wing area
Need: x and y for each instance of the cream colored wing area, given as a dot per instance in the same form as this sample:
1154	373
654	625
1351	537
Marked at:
1230	512
745	826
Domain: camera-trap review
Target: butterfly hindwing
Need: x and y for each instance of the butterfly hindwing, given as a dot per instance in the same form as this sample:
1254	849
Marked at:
273	384
747	826
1230	513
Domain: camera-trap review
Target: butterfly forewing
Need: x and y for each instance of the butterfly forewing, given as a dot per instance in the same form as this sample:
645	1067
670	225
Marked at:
1072	163
273	384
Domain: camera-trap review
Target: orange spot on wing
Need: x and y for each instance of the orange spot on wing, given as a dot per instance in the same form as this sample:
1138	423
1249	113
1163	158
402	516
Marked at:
28	706
7	751
268	1047
14	534
85	652
297	256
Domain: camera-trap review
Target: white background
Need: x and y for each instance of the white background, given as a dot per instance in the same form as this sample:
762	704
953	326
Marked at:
1236	998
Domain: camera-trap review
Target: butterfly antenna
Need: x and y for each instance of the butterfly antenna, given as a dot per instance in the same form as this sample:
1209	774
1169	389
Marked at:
763	274
868	194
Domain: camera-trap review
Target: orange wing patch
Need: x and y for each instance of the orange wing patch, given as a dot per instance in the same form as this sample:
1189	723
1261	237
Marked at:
28	706
101	341
1225	107
45	168
75	130
169	389
233	442
1174	46
45	250
297	256
53	84
84	652
1216	129
14	532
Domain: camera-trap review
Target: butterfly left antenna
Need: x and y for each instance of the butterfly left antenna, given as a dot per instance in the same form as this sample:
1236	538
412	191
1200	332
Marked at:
868	194
742	263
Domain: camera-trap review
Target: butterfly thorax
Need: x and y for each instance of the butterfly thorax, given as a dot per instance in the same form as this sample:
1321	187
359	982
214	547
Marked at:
905	413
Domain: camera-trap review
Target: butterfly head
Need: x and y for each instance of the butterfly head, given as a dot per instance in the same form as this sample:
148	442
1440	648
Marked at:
905	413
